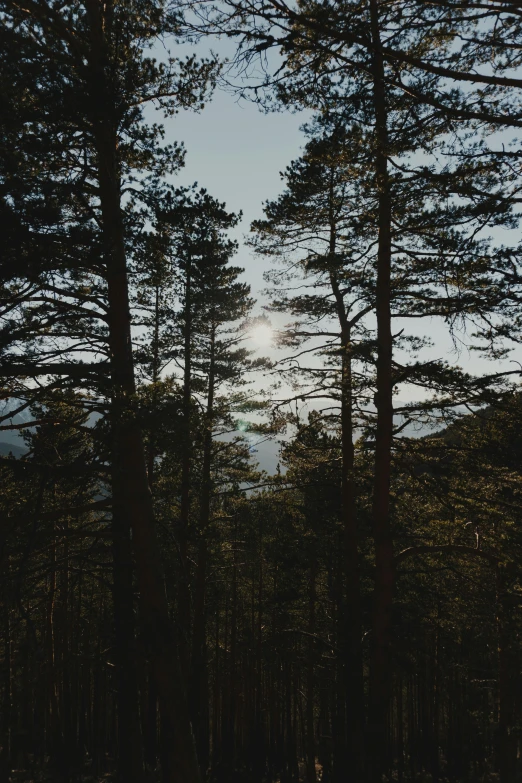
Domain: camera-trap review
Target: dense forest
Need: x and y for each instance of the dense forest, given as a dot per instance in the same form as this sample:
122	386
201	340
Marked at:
168	610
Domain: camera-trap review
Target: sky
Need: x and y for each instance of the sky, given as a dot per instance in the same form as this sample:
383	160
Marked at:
237	152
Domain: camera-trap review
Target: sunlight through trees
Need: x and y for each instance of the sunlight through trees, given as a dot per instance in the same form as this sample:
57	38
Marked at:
169	611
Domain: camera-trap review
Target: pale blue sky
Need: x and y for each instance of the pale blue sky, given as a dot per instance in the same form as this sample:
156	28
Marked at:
236	152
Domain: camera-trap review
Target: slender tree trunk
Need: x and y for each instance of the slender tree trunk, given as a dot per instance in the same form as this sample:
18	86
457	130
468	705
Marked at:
132	500
52	738
380	669
186	467
151	455
400	732
261	739
351	632
151	723
311	749
199	684
68	733
95	700
5	755
130	760
217	700
232	695
508	685
150	717
435	771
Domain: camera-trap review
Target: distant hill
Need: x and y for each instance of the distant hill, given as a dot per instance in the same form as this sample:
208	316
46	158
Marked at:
11	448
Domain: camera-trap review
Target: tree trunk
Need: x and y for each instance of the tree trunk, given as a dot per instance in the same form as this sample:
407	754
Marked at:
130	758
150	716
311	750
199	674
230	738
184	582
151	455
132	500
380	669
5	755
508	684
65	685
351	631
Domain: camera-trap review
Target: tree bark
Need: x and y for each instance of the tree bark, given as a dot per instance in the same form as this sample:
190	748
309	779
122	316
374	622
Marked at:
508	684
186	467
311	749
199	678
351	631
380	665
132	500
5	755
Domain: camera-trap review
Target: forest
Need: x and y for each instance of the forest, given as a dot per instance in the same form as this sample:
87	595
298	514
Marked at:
169	610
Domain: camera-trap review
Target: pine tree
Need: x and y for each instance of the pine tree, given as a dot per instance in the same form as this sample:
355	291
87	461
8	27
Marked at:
199	321
97	76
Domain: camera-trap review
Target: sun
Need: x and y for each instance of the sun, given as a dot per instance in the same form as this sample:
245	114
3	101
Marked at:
262	334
